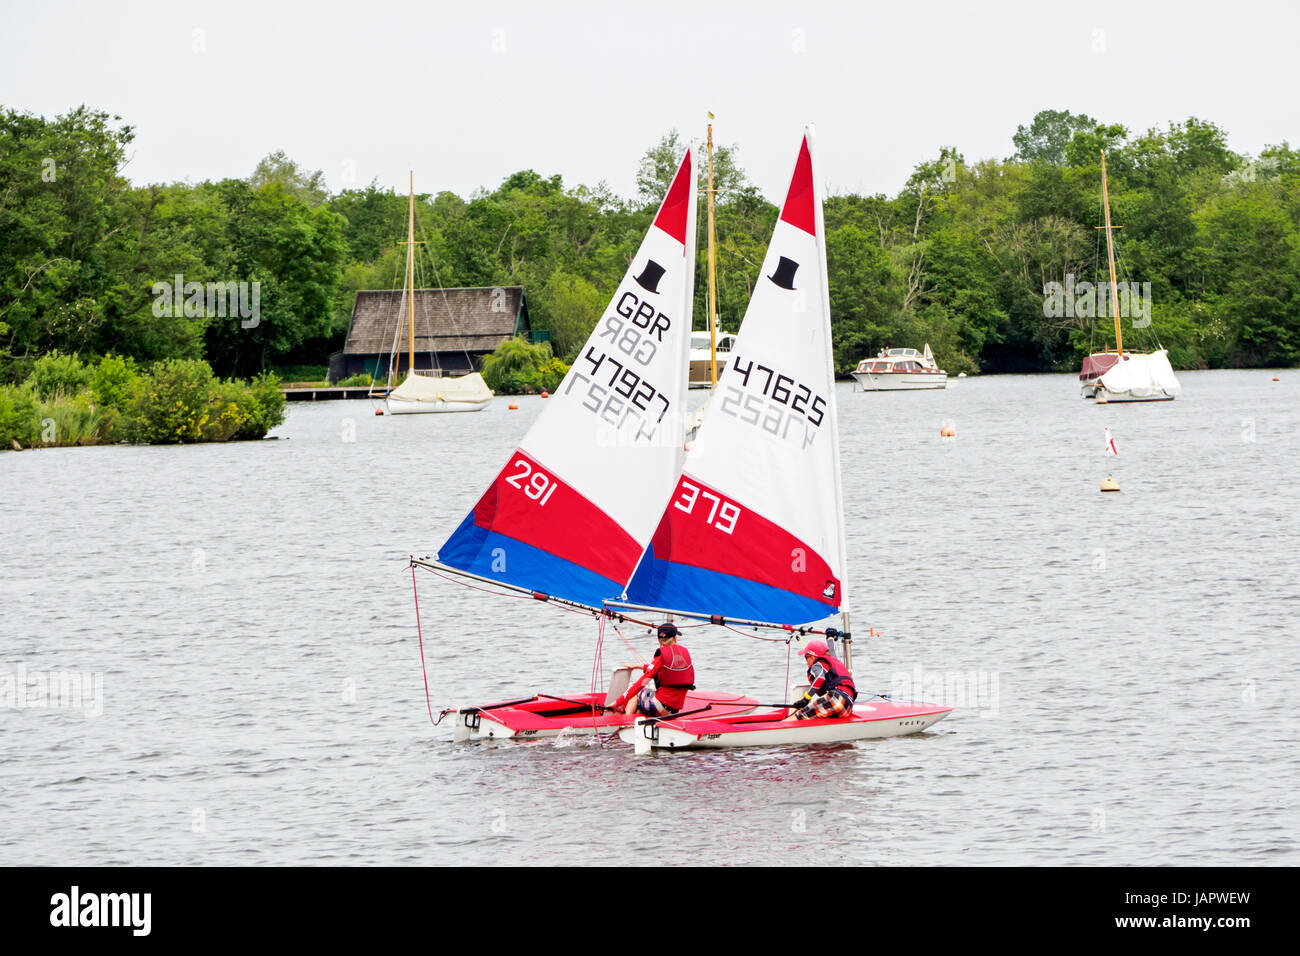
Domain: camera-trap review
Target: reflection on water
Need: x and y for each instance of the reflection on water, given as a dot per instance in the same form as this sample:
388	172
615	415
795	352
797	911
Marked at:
1122	664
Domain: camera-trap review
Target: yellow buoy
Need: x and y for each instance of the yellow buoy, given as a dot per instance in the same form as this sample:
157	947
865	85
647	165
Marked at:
1109	484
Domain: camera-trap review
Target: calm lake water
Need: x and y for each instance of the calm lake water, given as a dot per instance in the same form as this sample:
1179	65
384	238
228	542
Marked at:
1124	666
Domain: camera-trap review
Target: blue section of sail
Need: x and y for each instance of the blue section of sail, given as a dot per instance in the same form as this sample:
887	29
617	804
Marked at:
498	557
680	587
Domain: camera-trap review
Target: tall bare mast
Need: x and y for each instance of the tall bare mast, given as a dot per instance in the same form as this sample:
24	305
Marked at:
410	278
1110	254
713	287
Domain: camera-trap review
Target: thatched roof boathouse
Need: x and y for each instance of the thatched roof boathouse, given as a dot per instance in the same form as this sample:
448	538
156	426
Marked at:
454	329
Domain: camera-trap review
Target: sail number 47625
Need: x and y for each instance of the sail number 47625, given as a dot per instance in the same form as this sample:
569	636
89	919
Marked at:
539	486
722	514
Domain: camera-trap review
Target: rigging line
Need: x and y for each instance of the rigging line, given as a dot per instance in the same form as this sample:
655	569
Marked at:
596	662
434	364
475	587
415	592
529	597
597	671
789	650
401	313
469	362
397	328
783	640
641	661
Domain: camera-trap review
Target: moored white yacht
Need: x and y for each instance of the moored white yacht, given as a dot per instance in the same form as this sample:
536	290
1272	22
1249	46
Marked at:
899	369
702	355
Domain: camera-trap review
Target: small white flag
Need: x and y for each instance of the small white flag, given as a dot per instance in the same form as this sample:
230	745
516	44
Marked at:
1110	445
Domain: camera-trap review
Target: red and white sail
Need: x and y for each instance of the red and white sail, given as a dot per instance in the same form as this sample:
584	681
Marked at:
754	528
575	506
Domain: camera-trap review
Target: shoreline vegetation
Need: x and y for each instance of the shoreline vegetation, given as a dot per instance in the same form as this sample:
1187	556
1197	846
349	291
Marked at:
994	263
178	401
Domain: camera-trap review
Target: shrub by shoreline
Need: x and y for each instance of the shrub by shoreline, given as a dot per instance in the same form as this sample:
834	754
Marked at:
518	367
65	402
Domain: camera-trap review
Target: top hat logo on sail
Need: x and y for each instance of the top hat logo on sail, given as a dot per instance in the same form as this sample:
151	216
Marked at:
650	276
784	274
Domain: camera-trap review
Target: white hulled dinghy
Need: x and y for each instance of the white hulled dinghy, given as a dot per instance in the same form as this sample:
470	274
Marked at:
753	533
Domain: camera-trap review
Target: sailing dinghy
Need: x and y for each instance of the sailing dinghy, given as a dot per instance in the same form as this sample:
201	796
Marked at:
568	517
754	531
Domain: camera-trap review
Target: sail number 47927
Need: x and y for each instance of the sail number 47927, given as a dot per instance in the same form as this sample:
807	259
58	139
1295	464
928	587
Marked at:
539	485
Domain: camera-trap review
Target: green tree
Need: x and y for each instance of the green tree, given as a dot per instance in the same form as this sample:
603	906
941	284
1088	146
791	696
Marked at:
659	165
1048	134
294	253
278	168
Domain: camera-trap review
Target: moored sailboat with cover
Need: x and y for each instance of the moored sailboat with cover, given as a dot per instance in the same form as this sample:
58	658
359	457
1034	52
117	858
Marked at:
424	394
1119	376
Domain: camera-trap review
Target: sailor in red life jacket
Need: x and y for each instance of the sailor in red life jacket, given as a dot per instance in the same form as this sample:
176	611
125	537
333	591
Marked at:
831	691
672	674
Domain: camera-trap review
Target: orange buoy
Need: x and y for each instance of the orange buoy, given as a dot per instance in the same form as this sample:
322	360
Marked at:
1276	379
947	431
513	406
379	411
546	394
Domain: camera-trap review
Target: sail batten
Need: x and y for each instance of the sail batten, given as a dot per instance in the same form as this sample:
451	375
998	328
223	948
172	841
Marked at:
577	502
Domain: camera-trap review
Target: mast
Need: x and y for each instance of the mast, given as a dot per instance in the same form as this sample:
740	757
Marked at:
1110	254
713	288
847	642
410	278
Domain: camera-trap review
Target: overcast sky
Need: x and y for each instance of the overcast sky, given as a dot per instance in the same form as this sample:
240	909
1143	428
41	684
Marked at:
466	93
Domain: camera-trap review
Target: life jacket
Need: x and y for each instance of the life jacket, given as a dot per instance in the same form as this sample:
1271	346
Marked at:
838	679
675	676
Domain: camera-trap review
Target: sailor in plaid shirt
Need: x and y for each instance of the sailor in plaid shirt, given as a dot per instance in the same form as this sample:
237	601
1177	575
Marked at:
831	691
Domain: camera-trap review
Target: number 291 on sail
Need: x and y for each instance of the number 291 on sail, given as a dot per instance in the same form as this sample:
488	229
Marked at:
535	484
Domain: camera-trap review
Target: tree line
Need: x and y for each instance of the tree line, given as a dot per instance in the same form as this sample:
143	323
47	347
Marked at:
961	257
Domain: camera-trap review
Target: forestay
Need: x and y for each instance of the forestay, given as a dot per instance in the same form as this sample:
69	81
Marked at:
575	505
754	527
